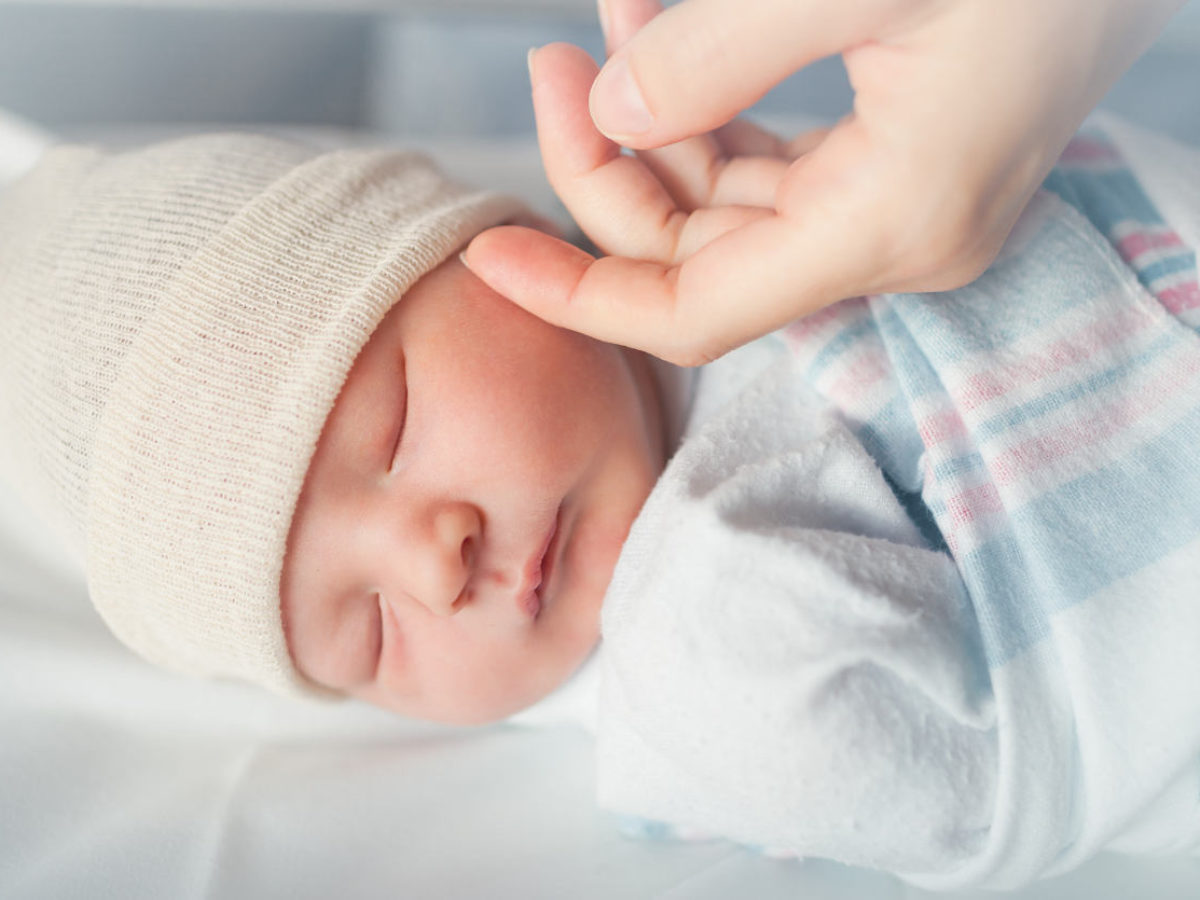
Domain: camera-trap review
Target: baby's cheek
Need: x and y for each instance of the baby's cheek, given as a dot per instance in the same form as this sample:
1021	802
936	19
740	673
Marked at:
497	685
591	393
550	421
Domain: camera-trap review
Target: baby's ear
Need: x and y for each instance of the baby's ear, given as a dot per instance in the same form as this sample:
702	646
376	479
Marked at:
537	221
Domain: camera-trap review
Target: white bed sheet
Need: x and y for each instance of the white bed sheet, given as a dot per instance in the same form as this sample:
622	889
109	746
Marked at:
118	780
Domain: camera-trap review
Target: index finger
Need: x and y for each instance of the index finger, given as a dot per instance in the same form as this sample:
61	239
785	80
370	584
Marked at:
688	314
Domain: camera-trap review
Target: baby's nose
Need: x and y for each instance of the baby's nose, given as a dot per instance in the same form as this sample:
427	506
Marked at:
450	559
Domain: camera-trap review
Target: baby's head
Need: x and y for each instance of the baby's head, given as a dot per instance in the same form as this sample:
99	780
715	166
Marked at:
467	500
299	443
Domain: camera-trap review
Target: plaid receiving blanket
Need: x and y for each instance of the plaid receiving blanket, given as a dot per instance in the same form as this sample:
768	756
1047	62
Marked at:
1041	429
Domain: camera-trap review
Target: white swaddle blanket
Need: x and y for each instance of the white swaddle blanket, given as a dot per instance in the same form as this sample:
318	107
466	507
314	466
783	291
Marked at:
926	596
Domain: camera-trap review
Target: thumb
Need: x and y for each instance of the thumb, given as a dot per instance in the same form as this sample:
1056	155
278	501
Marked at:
699	63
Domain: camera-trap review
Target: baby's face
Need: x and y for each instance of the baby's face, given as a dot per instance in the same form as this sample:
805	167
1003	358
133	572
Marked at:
467	501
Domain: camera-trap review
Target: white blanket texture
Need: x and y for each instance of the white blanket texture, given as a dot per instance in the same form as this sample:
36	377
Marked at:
924	595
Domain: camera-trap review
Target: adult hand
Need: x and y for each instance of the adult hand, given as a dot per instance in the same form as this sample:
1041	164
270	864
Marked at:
961	108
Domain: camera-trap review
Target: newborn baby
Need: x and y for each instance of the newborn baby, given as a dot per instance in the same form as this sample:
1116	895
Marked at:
296	441
299	443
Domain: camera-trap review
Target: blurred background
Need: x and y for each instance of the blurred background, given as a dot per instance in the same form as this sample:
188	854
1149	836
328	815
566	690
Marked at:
443	68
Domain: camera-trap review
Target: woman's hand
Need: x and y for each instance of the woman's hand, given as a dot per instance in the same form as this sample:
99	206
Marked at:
718	236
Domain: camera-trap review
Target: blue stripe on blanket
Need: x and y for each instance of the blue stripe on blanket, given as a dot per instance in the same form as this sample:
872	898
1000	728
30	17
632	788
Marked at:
1172	265
1124	526
1104	197
1120	371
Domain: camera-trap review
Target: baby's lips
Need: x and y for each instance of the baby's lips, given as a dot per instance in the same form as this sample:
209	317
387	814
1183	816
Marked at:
531	604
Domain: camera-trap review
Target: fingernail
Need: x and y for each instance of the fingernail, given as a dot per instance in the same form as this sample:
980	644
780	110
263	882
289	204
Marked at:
617	102
462	258
529	61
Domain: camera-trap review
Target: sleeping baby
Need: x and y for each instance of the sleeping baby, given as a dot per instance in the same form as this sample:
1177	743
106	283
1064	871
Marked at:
911	583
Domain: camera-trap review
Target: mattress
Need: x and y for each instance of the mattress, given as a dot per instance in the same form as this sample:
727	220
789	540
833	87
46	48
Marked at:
120	780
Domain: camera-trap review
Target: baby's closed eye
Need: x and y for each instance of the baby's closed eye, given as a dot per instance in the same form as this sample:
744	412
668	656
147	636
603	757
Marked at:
398	418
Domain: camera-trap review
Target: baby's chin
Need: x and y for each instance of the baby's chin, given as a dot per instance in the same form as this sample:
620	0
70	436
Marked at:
478	709
548	697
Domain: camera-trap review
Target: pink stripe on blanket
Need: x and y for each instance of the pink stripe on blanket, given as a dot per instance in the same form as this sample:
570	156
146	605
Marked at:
1143	241
1080	348
1137	243
1180	297
940	426
1095	428
974	504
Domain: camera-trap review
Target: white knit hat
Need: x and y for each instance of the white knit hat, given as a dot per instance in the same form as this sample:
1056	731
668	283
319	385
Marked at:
176	324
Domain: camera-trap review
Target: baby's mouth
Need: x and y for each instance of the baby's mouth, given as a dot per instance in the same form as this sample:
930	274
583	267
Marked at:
534	596
548	559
